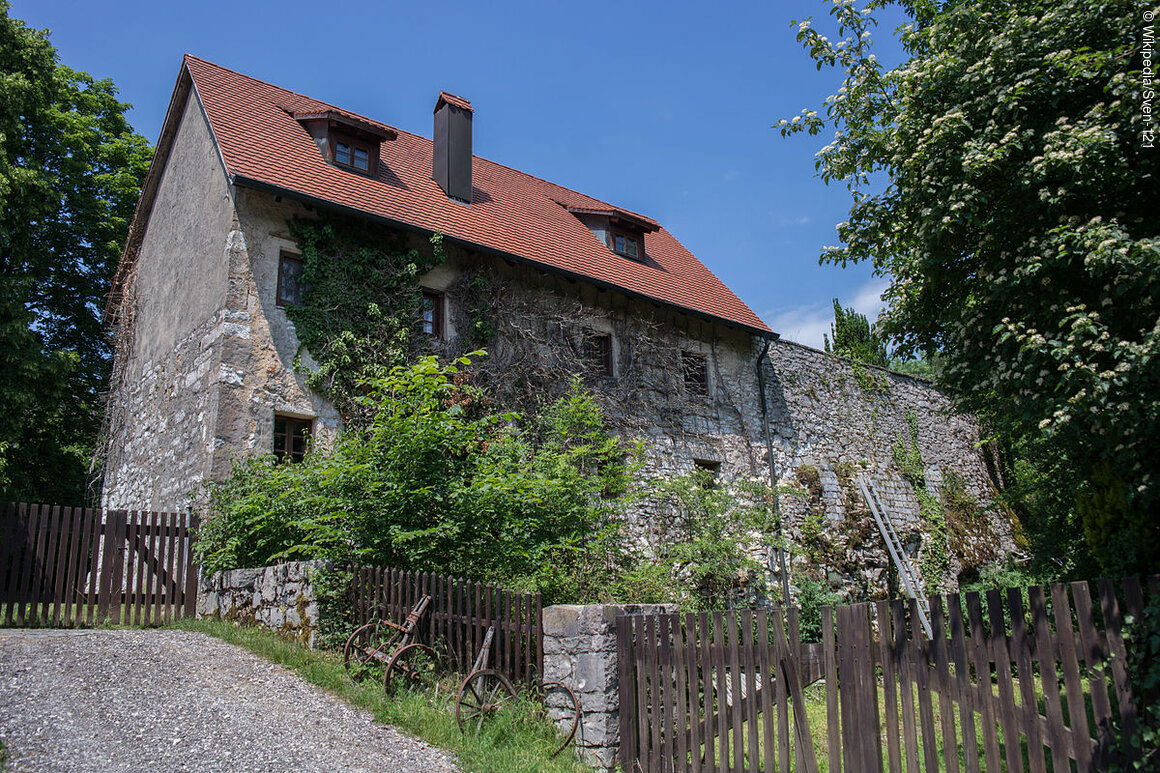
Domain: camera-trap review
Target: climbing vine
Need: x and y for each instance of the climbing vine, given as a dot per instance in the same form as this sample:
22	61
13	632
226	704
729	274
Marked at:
935	555
360	303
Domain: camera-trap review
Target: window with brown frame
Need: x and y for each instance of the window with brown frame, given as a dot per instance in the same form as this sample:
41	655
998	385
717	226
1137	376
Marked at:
291	436
695	370
289	280
431	315
352	155
598	353
626	244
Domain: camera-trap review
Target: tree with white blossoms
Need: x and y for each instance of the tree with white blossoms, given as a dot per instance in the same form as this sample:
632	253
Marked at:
1001	181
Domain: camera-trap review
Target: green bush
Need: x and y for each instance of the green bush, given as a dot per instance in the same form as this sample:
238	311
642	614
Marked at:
702	560
438	480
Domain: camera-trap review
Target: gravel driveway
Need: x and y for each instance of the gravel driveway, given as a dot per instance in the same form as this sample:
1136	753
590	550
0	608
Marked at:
177	700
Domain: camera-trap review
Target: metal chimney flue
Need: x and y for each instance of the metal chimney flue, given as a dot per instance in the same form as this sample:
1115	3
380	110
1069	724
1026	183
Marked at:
452	162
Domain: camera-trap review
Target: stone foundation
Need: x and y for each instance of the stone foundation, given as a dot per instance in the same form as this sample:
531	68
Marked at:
580	652
280	598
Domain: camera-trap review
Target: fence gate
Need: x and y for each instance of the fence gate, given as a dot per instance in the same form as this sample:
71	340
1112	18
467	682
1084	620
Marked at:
718	691
63	566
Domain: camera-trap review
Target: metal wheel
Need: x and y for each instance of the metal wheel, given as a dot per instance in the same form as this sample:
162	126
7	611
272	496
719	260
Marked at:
414	668
370	645
482	695
562	708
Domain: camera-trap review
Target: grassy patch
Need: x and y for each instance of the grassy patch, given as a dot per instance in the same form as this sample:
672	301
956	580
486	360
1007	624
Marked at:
518	742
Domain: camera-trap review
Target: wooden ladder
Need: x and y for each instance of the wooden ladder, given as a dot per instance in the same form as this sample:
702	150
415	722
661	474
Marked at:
910	579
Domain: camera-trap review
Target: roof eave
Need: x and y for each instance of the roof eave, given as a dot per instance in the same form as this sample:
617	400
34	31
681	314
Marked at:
267	187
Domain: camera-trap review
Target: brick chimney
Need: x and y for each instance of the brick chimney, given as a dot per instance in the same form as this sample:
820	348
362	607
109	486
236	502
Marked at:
452	167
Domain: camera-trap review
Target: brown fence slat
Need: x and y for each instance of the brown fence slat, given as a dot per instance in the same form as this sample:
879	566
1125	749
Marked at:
682	715
643	702
906	688
829	664
1002	657
721	688
191	568
72	595
1094	660
60	561
981	659
10	552
43	567
889	685
92	542
1077	712
1046	657
1113	621
1021	647
945	688
736	741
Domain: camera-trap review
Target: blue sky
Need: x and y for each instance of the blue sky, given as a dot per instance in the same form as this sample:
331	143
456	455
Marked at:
663	108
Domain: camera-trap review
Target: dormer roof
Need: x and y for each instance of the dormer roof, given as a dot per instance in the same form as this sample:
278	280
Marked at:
512	214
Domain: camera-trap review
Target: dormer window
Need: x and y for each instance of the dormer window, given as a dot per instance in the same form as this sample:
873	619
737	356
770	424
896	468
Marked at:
354	156
621	231
626	245
347	141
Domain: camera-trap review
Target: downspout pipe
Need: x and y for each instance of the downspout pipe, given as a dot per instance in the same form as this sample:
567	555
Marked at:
769	339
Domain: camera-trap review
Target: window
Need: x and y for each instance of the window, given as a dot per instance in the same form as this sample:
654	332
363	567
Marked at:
289	280
290	437
705	472
354	156
626	244
695	369
431	315
598	354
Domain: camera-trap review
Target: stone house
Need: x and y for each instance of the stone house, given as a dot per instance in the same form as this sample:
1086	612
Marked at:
205	367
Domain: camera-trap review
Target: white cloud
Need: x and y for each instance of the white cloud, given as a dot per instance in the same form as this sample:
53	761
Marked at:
807	324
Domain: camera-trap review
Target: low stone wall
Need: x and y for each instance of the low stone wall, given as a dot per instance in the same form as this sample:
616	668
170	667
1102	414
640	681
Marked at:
280	598
580	652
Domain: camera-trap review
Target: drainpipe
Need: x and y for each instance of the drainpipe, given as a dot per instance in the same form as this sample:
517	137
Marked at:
769	339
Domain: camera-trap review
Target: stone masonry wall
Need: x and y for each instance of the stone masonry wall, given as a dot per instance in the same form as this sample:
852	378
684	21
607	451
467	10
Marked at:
281	598
831	420
580	652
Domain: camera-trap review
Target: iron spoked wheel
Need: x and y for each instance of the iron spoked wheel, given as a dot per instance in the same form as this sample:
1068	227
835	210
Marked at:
482	695
415	668
563	708
370	645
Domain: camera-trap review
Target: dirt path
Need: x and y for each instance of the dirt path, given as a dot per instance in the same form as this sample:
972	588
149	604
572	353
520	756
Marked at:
143	700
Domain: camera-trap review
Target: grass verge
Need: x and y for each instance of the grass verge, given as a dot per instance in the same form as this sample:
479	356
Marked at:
517	742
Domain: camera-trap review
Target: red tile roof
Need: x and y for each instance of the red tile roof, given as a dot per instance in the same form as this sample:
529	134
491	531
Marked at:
511	212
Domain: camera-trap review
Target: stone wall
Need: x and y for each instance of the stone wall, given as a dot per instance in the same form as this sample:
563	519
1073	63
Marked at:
831	420
281	598
580	652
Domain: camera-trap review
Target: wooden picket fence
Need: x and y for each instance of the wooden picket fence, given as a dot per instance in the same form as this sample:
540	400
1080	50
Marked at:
458	616
1033	680
69	566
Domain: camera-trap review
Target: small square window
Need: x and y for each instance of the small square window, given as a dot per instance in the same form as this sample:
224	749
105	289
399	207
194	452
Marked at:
598	354
695	370
628	246
706	472
289	280
351	155
431	315
291	436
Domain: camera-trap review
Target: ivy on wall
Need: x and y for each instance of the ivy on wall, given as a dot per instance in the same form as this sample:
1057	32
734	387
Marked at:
935	555
359	316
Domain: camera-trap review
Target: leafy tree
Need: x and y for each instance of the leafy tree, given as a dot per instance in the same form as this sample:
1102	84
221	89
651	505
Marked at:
439	481
1016	226
70	171
853	336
